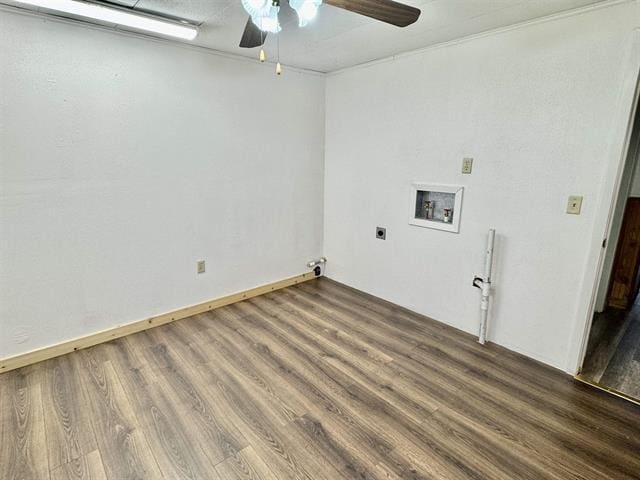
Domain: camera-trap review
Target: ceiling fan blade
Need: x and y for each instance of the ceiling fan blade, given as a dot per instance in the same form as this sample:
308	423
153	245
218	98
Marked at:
252	36
386	11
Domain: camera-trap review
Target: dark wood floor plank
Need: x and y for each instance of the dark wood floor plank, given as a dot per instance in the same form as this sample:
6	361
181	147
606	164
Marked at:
355	302
438	361
352	361
334	449
603	456
304	372
280	385
248	368
440	381
288	380
209	423
367	308
267	436
86	467
179	454
316	381
69	432
495	382
326	328
392	339
557	385
534	372
493	451
496	412
442	385
358	400
490	412
368	327
23	440
245	465
123	446
299	342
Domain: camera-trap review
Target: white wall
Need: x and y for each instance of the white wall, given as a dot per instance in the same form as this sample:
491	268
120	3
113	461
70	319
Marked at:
131	159
123	161
535	107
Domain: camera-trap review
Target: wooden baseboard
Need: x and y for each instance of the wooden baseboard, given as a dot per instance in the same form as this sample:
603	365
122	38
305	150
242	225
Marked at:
34	356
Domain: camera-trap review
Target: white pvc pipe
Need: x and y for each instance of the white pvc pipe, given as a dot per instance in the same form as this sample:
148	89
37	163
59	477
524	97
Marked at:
315	263
486	286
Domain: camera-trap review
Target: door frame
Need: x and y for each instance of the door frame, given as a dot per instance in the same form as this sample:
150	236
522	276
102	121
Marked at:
620	135
623	230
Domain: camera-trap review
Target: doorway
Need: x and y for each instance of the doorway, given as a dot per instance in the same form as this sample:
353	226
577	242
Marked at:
612	359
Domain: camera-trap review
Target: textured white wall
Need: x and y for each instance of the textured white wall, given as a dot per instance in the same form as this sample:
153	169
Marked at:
130	160
124	161
535	107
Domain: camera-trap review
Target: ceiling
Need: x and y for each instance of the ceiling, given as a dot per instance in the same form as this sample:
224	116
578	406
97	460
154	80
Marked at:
337	39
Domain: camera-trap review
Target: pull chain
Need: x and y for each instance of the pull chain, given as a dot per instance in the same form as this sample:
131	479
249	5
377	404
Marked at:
278	66
263	57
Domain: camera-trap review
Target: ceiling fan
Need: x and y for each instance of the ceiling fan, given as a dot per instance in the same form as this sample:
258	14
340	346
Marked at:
263	15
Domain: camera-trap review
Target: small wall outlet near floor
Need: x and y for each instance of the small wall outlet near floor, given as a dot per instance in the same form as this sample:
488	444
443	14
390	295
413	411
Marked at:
381	233
200	266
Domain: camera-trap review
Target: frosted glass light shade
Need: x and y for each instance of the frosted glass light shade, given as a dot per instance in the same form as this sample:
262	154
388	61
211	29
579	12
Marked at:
263	14
269	23
306	10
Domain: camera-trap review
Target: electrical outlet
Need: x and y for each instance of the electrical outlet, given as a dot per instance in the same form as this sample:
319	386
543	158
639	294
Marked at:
467	165
200	266
381	233
574	204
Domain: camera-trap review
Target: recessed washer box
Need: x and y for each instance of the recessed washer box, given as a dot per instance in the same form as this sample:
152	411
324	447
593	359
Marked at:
436	206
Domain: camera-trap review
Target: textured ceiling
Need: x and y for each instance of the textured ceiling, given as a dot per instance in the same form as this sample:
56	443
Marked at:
338	39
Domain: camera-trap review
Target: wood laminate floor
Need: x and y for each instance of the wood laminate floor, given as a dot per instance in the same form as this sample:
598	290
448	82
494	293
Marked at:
317	381
613	352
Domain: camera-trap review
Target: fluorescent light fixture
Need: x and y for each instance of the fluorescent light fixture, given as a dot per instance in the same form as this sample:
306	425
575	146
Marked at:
117	16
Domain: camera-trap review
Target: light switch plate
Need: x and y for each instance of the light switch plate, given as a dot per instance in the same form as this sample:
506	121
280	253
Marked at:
200	266
574	204
467	165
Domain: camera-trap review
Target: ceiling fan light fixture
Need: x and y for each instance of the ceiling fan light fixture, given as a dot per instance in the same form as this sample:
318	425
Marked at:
257	5
264	14
388	11
269	23
306	10
256	8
